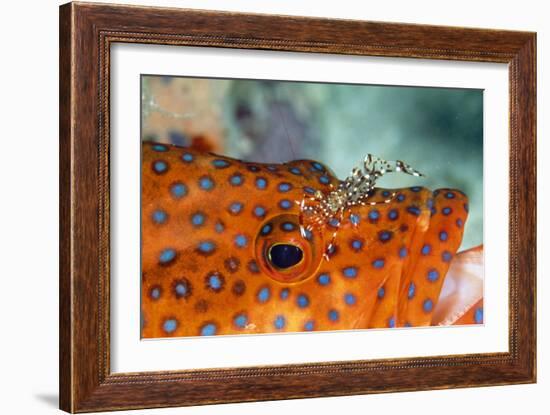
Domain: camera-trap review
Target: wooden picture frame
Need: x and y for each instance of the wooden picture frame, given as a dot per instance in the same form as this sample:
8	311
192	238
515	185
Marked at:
86	33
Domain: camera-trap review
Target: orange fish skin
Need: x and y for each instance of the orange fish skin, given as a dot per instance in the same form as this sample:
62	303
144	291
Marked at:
473	316
208	220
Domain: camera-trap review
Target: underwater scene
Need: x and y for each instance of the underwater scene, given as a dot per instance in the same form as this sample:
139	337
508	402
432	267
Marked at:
279	206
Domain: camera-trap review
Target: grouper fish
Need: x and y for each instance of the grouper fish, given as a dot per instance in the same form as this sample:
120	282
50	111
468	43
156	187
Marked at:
236	247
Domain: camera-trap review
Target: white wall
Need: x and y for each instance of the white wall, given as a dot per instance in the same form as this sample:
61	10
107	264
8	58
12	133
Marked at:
29	191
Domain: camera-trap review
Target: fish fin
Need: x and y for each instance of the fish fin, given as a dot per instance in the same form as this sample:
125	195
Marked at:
462	288
436	240
385	309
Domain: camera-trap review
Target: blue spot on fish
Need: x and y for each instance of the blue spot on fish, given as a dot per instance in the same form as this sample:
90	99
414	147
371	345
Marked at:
178	190
285	204
433	275
279	322
427	306
412	290
167	255
181	289
266	230
219	227
385	236
259	211
236	180
302	301
374	214
317	166
155	293
208	329
207	247
288	226
220	164
284	187
478	315
356	244
426	249
263	294
378	263
170	325
215	282
240	321
333	315
241	241
206	183
350	299
350	272
187	157
160	216
160	147
198	219
295	170
235	208
413	210
261	183
160	167
323	279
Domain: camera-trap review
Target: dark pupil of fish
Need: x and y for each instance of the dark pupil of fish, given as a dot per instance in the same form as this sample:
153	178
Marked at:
285	256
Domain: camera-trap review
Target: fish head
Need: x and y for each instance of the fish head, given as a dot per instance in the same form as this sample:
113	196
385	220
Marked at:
226	248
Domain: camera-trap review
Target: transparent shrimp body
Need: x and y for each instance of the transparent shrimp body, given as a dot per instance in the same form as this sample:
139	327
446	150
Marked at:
330	207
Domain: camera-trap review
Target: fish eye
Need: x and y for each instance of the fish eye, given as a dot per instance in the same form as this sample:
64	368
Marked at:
283	256
284	253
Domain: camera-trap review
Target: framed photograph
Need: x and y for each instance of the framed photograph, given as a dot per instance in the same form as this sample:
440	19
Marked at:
260	207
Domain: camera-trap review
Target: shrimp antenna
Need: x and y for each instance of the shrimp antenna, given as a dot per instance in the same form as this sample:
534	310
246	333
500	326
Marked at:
282	118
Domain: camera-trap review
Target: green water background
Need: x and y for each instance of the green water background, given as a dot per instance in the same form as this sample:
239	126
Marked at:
439	131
